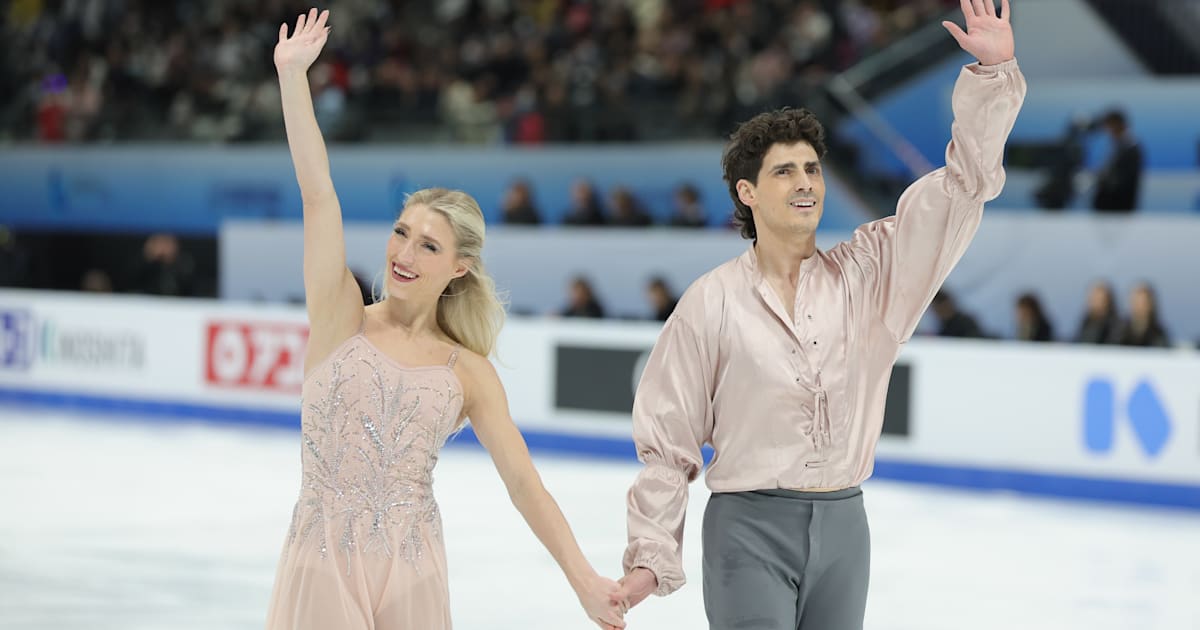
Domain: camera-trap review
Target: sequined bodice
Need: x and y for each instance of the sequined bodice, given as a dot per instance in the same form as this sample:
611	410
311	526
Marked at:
371	432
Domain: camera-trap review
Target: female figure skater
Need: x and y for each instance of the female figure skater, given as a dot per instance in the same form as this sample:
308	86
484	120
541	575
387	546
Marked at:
384	387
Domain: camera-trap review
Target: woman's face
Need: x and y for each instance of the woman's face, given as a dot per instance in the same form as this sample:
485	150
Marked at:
422	255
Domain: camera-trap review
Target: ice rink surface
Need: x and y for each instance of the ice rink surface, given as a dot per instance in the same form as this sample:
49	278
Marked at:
108	524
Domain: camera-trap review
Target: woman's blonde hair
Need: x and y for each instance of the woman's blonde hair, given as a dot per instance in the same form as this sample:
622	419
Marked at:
470	311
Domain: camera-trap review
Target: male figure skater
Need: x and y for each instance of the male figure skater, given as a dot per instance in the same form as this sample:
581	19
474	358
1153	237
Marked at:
780	360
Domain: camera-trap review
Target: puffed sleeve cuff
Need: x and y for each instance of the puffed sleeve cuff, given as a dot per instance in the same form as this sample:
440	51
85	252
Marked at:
669	574
1004	66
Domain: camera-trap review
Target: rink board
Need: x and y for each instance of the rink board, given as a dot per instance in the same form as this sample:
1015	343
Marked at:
1099	423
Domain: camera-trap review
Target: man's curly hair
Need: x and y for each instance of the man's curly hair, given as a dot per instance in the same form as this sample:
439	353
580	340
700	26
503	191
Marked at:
749	143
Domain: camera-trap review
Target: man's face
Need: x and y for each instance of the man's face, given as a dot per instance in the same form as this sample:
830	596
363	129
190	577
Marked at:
789	197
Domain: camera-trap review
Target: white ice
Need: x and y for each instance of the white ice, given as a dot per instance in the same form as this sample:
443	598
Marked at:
146	524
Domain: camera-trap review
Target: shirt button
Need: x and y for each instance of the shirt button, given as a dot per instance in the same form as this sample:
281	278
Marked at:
814	342
810	317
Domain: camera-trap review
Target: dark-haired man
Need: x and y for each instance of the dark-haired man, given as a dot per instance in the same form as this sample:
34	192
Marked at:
780	360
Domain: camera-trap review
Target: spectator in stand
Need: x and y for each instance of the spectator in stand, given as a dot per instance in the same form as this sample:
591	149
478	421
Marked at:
627	210
482	72
518	206
1143	327
585	205
165	269
95	281
1101	322
1032	324
582	301
688	211
662	299
954	322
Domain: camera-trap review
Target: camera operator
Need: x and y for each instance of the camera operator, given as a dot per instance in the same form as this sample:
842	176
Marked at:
1118	181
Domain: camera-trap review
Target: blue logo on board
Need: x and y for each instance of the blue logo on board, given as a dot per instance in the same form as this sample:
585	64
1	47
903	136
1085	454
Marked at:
1144	409
16	339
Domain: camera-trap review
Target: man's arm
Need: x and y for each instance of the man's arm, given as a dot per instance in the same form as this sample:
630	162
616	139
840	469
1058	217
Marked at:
906	258
672	419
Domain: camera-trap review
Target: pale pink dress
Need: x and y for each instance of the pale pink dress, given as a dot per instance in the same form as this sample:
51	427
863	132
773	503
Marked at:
365	547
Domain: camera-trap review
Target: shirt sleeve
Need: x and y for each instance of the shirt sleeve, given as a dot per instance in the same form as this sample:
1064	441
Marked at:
906	257
672	419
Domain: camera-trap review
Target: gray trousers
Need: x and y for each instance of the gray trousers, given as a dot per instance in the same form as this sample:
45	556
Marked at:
786	560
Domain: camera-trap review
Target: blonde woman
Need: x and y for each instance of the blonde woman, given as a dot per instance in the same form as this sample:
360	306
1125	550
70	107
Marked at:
384	387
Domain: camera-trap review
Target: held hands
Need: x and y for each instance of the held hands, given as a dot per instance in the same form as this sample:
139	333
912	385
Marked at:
601	599
298	52
988	38
606	602
637	586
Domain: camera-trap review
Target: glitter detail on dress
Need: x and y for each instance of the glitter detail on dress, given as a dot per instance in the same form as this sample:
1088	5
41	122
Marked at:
371	433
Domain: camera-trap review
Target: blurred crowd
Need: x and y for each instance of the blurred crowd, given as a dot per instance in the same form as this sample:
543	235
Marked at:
171	265
1102	322
620	208
478	71
519	71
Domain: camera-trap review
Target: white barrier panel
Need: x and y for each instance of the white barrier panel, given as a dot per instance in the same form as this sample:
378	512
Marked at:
192	352
1055	409
1027	416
